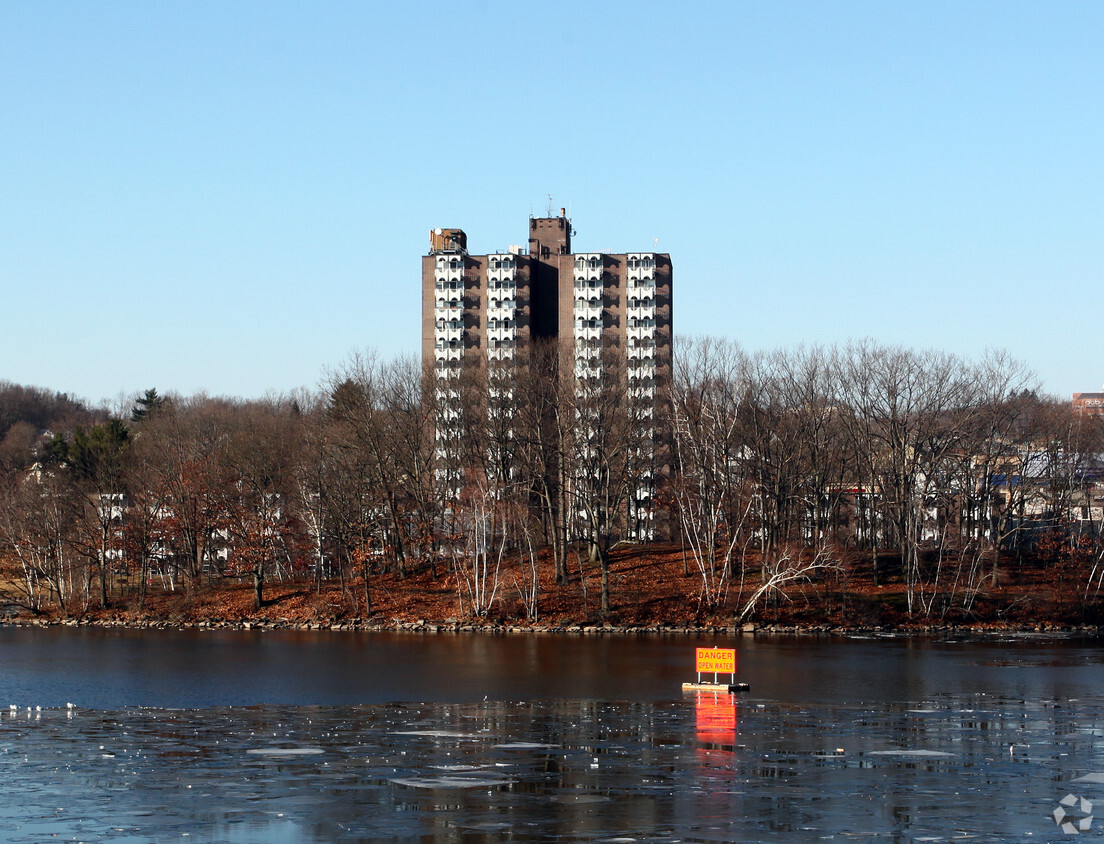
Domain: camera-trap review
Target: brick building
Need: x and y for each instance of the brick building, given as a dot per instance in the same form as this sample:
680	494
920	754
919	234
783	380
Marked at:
1088	404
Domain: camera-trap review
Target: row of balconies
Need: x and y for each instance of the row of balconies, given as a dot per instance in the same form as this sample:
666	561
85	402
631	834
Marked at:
449	265
444	283
453	301
640	261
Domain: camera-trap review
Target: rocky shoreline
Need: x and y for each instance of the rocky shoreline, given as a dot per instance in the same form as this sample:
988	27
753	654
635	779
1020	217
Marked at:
587	629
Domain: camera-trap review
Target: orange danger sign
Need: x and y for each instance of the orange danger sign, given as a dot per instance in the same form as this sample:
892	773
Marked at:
716	660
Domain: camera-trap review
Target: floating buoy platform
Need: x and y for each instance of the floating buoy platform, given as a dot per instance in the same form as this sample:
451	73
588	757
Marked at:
715	661
730	688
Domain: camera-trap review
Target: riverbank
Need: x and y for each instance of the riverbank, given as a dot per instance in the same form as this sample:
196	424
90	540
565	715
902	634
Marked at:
492	628
653	590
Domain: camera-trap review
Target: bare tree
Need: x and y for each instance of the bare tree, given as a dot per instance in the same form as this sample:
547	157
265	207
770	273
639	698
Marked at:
181	448
605	462
260	453
785	569
711	488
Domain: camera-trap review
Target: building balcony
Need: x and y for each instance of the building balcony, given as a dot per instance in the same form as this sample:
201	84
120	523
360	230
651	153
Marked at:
500	354
587	373
447	354
588	264
500	335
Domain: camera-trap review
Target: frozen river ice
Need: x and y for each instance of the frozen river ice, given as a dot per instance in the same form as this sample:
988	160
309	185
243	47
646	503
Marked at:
989	763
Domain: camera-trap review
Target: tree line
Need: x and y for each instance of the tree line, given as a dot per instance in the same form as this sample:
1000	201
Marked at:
766	469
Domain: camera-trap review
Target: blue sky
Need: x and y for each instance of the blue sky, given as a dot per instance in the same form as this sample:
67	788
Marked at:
233	197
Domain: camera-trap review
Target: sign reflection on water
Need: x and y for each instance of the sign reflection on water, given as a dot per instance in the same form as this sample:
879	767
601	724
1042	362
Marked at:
715	714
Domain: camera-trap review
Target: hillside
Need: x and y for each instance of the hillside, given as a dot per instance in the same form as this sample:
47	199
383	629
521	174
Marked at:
650	588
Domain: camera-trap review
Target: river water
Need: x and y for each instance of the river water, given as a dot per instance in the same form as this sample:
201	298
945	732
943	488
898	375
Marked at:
295	737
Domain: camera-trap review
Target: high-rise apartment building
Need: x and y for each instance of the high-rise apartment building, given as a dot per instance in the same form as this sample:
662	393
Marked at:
608	316
479	309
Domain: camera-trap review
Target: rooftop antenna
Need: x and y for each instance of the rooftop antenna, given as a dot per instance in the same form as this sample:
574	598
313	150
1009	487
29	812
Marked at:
655	243
549	205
